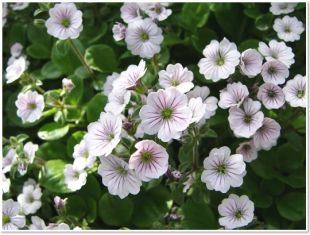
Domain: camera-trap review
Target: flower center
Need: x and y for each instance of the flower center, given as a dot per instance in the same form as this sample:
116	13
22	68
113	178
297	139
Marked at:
66	23
274	55
6	219
300	93
158	10
146	156
30	199
221	168
247	118
246	147
271	70
166	113
31	106
238	214
271	94
144	36
175	82
287	29
76	174
85	154
111	136
121	170
220	60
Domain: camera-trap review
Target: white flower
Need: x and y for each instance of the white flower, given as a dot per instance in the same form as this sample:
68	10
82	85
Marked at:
67	85
251	62
176	76
30	150
61	226
119	31
30	199
150	160
65	21
11	220
236	211
104	134
278	8
143	38
245	121
81	151
60	203
130	12
189	182
16	69
233	95
220	60
267	135
271	96
129	78
6	183
222	170
210	101
158	11
198	109
4	13
248	151
139	132
9	160
108	85
117	101
274	71
277	51
117	176
166	113
29	106
18	6
288	28
37	223
295	91
75	175
16	49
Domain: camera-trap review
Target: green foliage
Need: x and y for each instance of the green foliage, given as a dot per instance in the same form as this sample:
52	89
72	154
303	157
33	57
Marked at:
95	107
53	131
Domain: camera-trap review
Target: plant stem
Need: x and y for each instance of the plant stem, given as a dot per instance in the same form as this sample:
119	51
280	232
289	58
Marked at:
81	58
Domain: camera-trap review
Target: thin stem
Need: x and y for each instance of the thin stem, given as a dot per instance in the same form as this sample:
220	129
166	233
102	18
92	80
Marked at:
39	89
81	58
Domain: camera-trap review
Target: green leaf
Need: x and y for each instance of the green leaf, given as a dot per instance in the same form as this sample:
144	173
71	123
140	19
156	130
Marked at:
101	58
76	94
172	39
250	43
53	131
150	206
52	150
76	206
95	106
296	179
38	51
292	206
92	188
202	38
92	34
64	58
73	140
51	176
16	33
50	71
262	200
264	22
115	211
194	14
253	12
263	166
272	187
198	215
91	211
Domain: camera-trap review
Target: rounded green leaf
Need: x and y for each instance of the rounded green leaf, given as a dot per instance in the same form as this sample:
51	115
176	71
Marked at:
76	206
292	206
101	58
95	106
115	211
53	131
51	176
50	71
74	139
52	150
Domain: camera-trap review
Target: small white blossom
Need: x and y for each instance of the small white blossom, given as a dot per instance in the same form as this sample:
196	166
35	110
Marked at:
18	6
117	176
130	12
176	76
274	71
29	106
277	51
189	182
221	59
67	85
30	199
9	160
198	109
288	28
233	95
104	134
60	203
245	121
248	151
61	226
279	8
143	38
30	150
117	101
16	50
236	211
75	175
295	91
65	21
251	63
81	151
16	69
11	220
267	135
222	170
119	31
4	13
108	85
158	11
271	96
6	183
37	223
